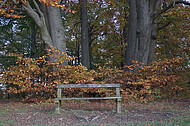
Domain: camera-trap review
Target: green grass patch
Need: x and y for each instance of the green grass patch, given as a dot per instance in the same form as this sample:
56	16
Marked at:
4	122
175	121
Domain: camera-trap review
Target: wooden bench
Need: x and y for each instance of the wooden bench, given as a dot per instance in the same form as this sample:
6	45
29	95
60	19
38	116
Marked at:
60	87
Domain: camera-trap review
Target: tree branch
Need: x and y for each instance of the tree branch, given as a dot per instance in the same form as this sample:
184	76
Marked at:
160	28
170	6
3	3
39	20
31	13
14	1
38	9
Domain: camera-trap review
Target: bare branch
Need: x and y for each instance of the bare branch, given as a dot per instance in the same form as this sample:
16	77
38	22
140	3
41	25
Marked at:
3	3
38	9
14	1
31	13
160	28
170	6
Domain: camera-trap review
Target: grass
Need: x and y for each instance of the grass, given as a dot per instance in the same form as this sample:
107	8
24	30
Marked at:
8	109
6	123
4	111
175	121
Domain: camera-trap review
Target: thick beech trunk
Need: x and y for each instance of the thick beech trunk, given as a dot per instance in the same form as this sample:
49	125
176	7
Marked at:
49	22
56	28
84	35
141	31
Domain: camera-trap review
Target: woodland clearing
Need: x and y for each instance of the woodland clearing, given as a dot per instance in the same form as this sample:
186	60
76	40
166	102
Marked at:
100	113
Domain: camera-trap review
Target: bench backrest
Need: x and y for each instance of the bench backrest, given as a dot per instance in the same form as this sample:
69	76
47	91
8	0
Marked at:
88	85
60	86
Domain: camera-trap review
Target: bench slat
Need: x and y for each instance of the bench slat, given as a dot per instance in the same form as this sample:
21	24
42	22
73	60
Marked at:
87	85
90	98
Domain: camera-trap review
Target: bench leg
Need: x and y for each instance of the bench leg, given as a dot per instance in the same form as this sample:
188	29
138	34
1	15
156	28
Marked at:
118	105
58	106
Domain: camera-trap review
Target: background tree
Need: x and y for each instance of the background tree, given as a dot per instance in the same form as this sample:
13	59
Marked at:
105	24
142	32
106	20
85	51
16	37
173	33
47	19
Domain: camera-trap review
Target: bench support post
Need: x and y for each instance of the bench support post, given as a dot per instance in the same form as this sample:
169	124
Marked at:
118	100
58	102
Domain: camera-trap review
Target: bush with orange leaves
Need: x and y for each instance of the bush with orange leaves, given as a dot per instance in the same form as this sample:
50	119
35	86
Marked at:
37	78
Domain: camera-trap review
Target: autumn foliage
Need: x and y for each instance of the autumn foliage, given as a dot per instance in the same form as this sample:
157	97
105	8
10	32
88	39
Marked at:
37	78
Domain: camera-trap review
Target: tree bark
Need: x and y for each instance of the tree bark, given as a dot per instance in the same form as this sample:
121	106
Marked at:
56	28
142	31
33	40
49	21
84	35
39	19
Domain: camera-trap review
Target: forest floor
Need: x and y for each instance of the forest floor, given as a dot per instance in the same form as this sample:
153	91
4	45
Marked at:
102	113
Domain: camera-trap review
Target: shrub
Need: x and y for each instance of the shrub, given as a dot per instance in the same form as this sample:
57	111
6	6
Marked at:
37	78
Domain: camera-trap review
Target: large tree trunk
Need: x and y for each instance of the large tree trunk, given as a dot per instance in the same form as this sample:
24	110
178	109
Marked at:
39	19
84	35
49	22
141	31
56	28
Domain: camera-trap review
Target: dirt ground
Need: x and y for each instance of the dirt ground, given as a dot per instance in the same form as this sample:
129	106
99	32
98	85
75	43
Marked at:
17	113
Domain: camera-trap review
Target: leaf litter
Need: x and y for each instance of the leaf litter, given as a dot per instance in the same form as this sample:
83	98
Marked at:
75	113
